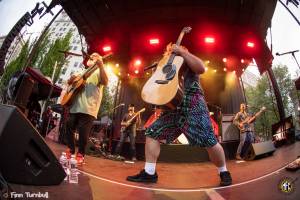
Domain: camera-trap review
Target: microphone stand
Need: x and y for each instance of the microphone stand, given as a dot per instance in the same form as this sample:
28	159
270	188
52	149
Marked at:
293	54
106	128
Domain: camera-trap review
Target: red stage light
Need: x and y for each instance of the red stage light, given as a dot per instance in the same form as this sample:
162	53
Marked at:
209	40
224	60
250	44
137	62
106	48
136	71
154	41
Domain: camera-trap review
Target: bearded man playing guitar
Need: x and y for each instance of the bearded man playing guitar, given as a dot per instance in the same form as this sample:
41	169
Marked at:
129	124
85	105
191	117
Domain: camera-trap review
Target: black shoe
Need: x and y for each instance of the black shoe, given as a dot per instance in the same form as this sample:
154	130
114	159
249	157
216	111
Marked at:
144	177
225	178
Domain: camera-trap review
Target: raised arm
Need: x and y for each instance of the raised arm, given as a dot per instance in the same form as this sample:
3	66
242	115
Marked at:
192	61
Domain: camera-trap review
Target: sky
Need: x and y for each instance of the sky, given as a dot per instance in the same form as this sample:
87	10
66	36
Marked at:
285	30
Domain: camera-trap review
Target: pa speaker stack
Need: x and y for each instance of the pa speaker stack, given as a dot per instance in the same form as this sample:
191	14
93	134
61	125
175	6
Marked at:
258	150
25	158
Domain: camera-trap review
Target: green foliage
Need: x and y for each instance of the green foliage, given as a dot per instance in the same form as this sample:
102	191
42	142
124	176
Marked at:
263	95
15	65
47	61
107	102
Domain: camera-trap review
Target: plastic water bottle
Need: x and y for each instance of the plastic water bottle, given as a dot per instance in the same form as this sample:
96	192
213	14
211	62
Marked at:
73	178
64	163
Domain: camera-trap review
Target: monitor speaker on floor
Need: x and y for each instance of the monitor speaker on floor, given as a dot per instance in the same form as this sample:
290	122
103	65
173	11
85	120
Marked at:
25	158
258	150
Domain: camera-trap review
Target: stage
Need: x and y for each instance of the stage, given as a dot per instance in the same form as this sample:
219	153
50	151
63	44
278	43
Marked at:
106	179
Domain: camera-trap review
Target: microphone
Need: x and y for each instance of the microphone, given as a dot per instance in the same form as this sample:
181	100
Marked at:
67	53
151	66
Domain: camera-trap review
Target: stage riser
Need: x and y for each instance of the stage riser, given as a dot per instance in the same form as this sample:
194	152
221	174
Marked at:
179	152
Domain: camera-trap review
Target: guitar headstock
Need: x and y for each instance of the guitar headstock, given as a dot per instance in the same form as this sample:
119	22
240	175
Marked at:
263	109
142	110
186	29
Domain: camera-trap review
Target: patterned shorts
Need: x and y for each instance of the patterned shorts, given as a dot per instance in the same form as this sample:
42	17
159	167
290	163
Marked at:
191	119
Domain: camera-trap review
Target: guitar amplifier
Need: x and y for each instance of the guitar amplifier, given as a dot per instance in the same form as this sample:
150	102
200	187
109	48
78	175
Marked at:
229	131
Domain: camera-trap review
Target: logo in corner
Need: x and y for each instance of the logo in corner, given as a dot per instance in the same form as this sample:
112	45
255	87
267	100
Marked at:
286	185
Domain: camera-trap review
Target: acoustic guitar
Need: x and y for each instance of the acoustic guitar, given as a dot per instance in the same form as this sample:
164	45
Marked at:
128	122
77	84
163	87
249	120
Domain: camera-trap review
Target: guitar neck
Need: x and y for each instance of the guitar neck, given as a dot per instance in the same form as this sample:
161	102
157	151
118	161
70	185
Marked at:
254	117
90	70
178	42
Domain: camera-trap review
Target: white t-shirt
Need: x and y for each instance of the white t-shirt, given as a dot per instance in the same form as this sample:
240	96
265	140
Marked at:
88	100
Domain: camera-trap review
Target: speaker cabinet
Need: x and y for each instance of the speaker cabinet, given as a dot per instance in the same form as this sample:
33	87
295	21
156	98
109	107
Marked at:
258	150
24	87
25	158
229	131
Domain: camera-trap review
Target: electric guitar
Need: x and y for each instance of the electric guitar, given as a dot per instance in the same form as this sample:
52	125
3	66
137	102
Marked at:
77	84
128	122
249	120
163	87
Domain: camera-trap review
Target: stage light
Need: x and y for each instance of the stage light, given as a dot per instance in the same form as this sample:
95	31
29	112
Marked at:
214	70
250	44
106	48
224	60
136	71
117	65
137	62
206	68
242	60
128	75
234	71
154	41
225	69
209	40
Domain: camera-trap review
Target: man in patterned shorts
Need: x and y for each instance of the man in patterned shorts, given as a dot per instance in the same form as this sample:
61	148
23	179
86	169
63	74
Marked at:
190	118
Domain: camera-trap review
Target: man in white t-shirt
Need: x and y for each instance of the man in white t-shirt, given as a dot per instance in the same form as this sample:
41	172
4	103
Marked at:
85	107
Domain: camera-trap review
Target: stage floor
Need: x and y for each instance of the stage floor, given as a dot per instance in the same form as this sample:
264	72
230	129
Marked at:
106	179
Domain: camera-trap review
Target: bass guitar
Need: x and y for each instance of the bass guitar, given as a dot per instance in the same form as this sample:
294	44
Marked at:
163	87
249	120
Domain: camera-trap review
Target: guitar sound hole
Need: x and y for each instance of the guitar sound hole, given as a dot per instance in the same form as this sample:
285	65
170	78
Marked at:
167	68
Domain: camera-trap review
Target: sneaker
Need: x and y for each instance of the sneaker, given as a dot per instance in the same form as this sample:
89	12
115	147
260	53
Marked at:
119	158
79	158
238	157
225	178
144	177
134	159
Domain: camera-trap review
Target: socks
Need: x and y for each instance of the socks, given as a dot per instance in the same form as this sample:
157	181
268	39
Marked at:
222	169
150	168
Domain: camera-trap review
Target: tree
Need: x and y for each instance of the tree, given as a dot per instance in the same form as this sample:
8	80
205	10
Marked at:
262	95
15	65
47	61
42	49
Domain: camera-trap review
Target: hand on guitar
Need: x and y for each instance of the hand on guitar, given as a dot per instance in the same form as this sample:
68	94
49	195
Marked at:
95	58
72	79
173	48
241	125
